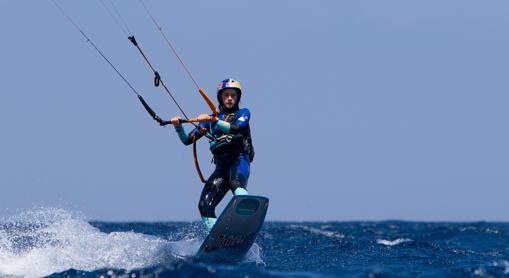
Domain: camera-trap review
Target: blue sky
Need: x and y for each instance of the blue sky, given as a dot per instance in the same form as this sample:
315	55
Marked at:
361	110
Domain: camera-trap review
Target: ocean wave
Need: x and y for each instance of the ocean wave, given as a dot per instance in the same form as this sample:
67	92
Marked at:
504	264
476	229
494	269
392	242
316	231
56	240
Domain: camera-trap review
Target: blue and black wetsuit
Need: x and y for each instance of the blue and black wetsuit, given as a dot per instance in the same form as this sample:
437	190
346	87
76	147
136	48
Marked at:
233	152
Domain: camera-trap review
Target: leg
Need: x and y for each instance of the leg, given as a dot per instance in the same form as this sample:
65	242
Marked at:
213	192
239	175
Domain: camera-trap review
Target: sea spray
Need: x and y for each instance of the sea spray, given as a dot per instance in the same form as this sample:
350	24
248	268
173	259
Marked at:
46	240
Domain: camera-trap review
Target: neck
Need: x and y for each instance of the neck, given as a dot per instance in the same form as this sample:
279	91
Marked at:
229	110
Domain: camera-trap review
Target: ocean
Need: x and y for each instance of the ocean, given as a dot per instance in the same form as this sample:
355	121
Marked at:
49	242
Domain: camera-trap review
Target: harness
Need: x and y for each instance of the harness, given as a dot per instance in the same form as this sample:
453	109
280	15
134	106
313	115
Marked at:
233	143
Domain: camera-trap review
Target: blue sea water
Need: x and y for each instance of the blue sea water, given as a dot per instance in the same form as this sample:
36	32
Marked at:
58	243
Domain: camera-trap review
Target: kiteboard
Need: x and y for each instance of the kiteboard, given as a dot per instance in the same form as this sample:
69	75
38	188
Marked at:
235	230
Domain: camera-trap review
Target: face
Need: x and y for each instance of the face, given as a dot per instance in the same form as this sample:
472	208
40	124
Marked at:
229	97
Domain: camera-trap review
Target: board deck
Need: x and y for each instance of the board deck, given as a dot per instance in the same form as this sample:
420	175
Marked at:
235	230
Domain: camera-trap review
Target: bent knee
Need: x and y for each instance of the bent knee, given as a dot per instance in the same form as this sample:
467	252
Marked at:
206	209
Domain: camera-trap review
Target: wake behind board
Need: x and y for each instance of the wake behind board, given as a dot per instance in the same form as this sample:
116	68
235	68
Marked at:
235	230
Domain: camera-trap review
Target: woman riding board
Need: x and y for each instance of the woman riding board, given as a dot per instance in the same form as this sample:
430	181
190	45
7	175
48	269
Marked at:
231	147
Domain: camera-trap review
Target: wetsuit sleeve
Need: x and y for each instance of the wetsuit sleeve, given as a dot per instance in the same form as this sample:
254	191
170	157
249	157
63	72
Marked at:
238	126
186	138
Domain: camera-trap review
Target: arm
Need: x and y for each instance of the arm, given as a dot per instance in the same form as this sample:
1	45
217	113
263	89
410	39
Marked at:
184	137
187	139
238	126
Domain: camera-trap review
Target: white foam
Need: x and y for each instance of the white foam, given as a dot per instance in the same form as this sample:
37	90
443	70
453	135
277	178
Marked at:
317	231
44	241
392	242
254	255
504	264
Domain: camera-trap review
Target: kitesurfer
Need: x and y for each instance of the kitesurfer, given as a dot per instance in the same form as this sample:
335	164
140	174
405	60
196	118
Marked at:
231	148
